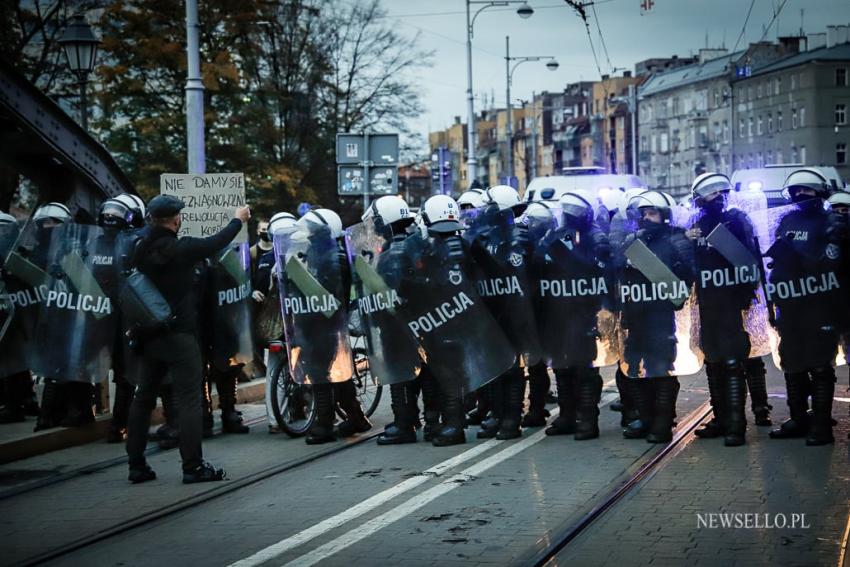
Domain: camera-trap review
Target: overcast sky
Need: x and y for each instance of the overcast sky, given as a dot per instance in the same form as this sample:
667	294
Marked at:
672	27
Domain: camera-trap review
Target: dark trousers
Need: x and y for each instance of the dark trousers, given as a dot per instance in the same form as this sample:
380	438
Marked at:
179	355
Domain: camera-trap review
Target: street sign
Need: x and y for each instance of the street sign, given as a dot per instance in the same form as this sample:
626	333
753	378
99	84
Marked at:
441	170
367	164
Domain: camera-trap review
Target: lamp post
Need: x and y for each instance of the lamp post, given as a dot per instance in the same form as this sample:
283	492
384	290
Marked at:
524	11
80	46
551	64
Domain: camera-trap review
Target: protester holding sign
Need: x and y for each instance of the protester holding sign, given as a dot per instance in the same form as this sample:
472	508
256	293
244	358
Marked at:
169	262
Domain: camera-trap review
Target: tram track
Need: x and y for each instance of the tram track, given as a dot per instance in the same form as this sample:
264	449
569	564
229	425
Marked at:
216	491
631	480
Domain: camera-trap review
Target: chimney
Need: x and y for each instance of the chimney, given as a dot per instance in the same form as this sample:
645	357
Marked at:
627	74
457	120
836	35
674	57
815	41
707	54
605	77
791	44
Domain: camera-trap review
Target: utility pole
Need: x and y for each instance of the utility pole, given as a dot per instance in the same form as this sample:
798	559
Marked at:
194	93
471	163
633	111
509	130
533	137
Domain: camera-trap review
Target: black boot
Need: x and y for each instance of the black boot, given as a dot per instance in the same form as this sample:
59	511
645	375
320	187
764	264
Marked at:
735	405
451	433
430	403
823	390
402	430
50	406
619	404
538	387
355	420
120	411
713	428
513	390
565	423
495	392
226	384
479	412
797	388
642	395
588	393
757	385
18	395
627	406
79	403
666	389
322	428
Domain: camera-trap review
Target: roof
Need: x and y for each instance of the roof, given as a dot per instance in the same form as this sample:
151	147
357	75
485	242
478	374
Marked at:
834	53
681	76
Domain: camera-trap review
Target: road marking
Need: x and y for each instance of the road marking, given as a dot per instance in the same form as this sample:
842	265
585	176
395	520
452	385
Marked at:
842	554
415	503
362	508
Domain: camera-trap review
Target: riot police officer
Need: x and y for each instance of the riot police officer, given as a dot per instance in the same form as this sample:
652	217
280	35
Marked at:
726	291
648	306
570	264
323	229
804	288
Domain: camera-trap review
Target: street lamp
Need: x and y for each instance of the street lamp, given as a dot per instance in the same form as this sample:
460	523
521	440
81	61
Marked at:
524	11
80	47
551	64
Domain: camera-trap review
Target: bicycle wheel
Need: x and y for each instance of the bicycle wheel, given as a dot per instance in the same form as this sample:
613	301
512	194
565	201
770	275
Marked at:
368	389
293	404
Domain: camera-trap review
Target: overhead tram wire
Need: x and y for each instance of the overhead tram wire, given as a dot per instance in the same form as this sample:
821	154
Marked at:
459	12
743	28
602	38
580	10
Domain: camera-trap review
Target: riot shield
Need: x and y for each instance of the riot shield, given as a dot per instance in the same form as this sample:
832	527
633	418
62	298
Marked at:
577	327
314	292
464	347
227	296
377	267
76	324
732	307
8	237
803	286
24	279
500	273
658	322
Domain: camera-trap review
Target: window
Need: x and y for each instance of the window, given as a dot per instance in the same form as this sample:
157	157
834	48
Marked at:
749	93
750	127
725	130
841	77
759	160
840	154
802	117
769	157
779	121
841	114
760	125
794	157
778	156
793	82
776	84
740	127
803	154
769	123
793	118
758	91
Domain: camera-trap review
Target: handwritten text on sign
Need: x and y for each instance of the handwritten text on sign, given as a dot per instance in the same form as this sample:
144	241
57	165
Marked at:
211	199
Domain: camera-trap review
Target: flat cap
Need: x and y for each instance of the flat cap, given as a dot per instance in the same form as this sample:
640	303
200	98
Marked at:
164	206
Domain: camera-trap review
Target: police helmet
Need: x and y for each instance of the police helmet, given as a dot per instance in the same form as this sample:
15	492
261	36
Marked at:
53	211
840	199
388	210
807	177
503	196
6	218
578	205
658	200
472	199
282	223
115	213
440	213
708	184
322	217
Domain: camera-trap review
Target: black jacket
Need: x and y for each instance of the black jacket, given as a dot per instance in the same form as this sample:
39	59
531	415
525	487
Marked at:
170	264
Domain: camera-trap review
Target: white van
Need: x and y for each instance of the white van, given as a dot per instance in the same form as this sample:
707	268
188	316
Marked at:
770	178
591	178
